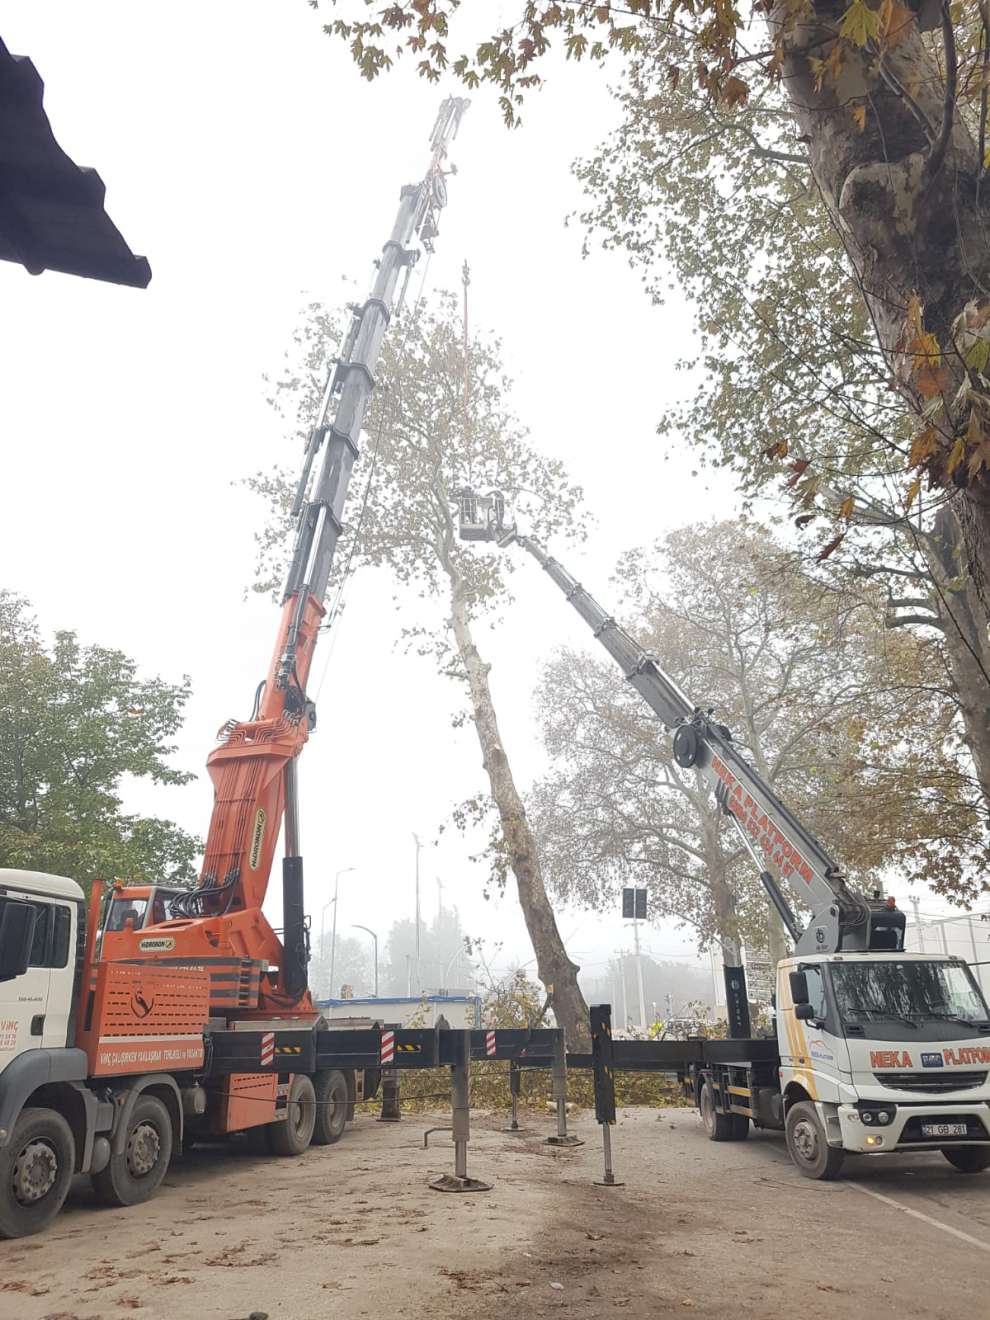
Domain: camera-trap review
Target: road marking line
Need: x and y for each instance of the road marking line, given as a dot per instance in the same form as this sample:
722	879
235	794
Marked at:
918	1214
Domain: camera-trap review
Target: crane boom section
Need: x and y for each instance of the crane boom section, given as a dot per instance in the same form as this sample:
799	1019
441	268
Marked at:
841	917
253	767
769	824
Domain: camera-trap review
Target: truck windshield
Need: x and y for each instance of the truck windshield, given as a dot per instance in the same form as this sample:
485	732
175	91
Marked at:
122	908
918	991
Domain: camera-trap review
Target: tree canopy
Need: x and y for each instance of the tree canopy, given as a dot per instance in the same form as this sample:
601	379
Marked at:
824	702
441	423
815	174
75	722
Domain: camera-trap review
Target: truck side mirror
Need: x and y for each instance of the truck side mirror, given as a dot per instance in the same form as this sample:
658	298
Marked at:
804	1012
17	922
799	988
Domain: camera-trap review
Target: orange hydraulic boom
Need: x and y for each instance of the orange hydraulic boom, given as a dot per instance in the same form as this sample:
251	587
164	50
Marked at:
254	767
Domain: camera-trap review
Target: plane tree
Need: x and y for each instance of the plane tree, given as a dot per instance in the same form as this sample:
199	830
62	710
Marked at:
819	696
816	176
440	421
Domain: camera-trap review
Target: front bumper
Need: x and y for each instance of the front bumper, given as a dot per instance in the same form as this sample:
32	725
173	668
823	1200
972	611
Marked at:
904	1132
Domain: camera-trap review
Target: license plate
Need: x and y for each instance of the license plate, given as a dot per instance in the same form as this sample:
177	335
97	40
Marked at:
943	1129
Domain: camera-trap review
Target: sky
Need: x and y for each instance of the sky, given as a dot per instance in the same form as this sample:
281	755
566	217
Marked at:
245	157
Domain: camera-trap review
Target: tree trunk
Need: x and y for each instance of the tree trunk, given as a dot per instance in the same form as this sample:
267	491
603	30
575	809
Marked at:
966	644
554	967
904	193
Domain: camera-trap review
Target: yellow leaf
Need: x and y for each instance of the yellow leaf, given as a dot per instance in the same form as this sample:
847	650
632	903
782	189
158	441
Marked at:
859	24
858	113
912	493
846	508
923	446
956	455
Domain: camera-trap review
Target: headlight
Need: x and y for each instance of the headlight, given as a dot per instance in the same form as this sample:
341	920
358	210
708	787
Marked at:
867	1116
884	1116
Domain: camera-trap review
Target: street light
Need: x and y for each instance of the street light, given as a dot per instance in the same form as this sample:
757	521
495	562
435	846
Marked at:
370	932
323	926
333	938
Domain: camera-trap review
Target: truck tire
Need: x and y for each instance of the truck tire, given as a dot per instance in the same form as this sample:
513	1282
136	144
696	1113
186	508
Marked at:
136	1173
806	1143
36	1168
720	1127
293	1134
330	1088
968	1159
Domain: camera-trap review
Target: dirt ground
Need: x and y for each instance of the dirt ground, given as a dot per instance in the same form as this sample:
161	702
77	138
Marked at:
353	1230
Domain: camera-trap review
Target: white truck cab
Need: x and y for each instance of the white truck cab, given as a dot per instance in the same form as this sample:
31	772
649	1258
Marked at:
889	1052
36	1005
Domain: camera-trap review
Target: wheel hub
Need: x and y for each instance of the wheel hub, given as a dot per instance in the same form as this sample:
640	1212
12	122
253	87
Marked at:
805	1140
143	1148
34	1173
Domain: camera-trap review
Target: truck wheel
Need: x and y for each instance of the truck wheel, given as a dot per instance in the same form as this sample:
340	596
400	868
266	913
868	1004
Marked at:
293	1134
968	1159
136	1173
330	1087
806	1143
720	1127
36	1168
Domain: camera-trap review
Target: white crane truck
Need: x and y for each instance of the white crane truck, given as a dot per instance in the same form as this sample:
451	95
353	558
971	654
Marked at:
877	1050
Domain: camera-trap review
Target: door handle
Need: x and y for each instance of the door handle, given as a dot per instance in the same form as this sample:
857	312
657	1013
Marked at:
38	1024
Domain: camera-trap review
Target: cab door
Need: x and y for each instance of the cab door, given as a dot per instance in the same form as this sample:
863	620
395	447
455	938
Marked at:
24	1000
821	1044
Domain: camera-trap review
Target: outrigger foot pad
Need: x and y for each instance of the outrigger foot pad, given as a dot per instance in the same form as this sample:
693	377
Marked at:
449	1182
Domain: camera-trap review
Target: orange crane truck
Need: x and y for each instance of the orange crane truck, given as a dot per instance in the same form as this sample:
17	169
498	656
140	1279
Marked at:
119	1039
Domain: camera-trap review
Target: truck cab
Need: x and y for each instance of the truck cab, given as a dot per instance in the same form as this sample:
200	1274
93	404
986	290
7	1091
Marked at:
133	907
890	1052
36	1003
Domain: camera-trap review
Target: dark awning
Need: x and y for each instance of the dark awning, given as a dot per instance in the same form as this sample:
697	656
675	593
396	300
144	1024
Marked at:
51	210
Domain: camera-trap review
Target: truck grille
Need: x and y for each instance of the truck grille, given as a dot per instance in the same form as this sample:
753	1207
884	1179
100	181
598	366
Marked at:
934	1081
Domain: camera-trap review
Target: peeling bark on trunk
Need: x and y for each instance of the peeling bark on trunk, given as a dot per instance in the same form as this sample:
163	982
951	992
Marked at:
554	967
966	644
904	194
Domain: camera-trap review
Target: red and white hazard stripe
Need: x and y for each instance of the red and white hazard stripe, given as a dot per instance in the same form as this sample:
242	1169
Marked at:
388	1047
267	1048
490	1042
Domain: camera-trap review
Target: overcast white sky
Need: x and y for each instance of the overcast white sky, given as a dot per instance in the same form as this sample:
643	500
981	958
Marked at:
245	157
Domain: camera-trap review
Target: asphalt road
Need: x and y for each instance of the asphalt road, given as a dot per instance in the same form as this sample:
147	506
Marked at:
354	1231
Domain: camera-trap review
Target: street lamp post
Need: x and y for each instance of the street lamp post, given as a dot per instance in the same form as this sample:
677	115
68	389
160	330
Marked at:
369	931
323	928
333	937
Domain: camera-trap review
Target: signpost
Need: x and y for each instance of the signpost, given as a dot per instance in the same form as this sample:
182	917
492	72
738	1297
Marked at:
634	910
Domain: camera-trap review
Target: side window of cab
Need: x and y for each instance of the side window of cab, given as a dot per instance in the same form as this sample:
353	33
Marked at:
816	989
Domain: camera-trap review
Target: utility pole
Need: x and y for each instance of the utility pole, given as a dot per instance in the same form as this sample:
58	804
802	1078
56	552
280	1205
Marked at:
333	936
625	997
419	977
439	898
639	976
409	976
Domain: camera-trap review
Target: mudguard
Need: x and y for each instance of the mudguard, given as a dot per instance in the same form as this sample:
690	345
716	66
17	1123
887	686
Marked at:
34	1068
